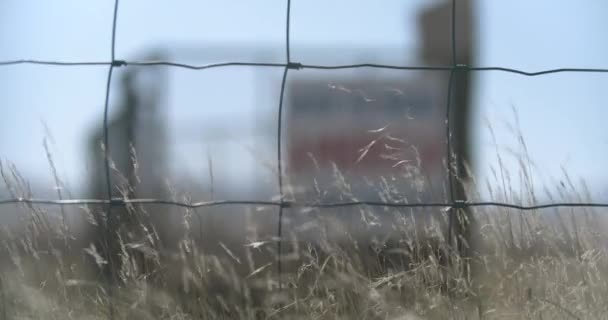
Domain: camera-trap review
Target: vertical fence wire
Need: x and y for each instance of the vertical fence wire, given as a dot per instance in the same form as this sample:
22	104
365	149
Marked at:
449	148
449	163
108	241
280	149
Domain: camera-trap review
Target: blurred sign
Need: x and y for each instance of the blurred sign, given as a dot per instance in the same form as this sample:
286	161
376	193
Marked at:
367	129
363	128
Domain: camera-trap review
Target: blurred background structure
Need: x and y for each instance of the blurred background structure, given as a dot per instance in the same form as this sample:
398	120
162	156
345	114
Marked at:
223	121
347	134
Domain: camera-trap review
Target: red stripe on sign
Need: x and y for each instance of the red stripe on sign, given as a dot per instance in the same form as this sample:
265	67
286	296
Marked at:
362	153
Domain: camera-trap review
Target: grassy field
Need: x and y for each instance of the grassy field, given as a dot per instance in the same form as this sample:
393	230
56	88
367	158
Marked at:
543	264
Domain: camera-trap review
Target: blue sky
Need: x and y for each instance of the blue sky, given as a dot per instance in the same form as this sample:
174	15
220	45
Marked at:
562	116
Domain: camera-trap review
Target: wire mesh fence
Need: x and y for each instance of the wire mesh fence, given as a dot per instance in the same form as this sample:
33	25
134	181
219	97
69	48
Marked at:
452	206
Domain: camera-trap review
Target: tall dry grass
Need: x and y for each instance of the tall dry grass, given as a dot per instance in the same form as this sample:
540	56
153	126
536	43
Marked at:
544	264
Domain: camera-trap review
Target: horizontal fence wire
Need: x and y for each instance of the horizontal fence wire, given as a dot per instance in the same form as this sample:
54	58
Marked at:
295	65
303	205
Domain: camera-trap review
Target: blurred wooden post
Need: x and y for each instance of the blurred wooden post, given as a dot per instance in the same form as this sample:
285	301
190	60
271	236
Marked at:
137	123
436	28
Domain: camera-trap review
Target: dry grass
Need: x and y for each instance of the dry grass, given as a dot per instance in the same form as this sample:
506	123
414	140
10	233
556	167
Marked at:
547	264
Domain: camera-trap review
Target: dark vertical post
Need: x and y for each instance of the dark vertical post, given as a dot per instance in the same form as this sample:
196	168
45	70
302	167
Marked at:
448	41
138	124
